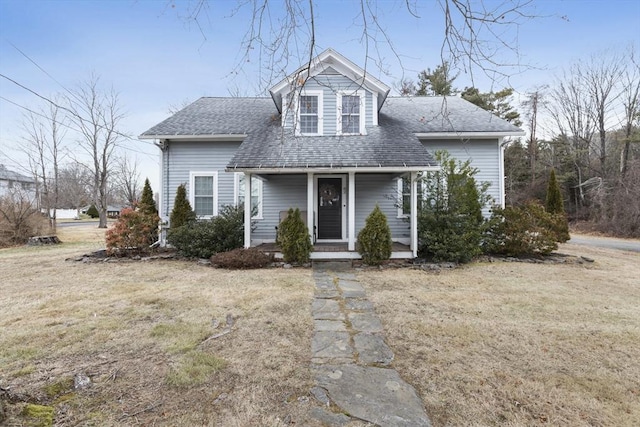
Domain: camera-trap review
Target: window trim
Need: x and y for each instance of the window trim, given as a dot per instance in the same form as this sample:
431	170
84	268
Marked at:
363	102
236	192
320	95
401	194
192	191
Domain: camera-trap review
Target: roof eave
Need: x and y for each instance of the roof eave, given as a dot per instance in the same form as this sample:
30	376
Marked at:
467	135
211	137
324	169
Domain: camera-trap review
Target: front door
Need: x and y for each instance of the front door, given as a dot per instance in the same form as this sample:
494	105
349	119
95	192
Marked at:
330	208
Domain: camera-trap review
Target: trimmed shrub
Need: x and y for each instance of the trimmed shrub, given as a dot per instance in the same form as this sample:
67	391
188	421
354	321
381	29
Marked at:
293	238
202	239
181	213
524	230
555	206
241	259
93	211
374	240
450	221
147	204
134	232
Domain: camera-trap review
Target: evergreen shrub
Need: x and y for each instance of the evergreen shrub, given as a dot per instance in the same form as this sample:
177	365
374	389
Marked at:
181	213
147	204
293	238
555	206
374	240
133	232
93	211
202	239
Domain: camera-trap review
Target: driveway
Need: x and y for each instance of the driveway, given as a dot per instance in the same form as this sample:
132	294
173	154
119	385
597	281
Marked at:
605	242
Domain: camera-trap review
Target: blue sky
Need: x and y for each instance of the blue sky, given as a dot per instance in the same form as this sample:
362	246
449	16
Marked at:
155	57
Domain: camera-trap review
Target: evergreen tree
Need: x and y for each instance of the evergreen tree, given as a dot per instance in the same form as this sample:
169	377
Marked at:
555	207
147	204
93	211
496	102
374	240
293	238
182	212
436	82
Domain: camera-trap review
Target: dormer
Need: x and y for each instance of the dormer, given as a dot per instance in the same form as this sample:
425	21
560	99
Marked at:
329	96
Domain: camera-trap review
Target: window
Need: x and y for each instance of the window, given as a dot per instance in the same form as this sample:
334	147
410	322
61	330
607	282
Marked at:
256	194
350	114
203	191
309	114
404	196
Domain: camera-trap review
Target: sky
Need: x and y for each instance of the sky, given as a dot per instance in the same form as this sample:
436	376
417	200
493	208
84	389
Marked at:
157	58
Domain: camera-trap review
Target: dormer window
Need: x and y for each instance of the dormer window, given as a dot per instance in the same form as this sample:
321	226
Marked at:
351	113
310	113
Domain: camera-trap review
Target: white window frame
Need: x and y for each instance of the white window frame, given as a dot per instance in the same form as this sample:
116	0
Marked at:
320	95
192	191
255	183
401	193
363	101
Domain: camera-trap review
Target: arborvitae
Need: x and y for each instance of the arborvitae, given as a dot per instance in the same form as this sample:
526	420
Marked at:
147	204
182	212
555	206
374	240
93	211
293	238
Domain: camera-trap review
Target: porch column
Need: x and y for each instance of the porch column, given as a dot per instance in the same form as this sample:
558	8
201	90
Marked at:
351	215
414	213
310	216
247	210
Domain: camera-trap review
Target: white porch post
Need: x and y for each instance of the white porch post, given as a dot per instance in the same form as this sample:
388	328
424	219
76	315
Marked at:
351	209
414	213
310	216
247	210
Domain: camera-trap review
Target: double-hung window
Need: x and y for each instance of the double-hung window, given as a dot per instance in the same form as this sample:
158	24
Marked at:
203	193
256	194
404	196
351	111
309	112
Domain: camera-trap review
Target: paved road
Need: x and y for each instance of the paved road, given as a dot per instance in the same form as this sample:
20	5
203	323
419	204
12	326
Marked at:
78	224
605	242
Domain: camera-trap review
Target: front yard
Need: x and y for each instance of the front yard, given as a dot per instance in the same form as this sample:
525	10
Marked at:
487	344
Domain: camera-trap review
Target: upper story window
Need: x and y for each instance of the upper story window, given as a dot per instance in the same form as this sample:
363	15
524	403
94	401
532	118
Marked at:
309	114
350	117
203	193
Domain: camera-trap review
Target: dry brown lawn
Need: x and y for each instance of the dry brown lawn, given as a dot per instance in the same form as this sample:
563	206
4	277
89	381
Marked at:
487	344
519	344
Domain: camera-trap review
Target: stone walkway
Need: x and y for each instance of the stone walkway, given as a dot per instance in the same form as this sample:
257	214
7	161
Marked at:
350	357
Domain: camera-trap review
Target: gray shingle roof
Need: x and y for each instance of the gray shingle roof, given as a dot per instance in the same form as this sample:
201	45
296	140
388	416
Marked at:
6	174
391	144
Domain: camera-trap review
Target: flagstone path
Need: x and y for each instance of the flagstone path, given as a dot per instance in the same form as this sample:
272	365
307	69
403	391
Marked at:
351	359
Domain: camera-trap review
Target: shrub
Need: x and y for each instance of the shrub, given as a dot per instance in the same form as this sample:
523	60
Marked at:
93	211
202	239
450	222
524	230
134	232
374	240
19	220
181	212
242	259
147	204
293	238
555	206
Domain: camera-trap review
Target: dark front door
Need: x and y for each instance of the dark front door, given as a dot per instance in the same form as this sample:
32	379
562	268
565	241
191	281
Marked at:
329	208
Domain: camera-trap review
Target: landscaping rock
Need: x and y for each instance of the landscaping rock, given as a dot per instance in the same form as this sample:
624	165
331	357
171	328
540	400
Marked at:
81	381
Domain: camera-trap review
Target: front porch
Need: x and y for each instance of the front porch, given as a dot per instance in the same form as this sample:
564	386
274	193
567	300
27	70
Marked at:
324	251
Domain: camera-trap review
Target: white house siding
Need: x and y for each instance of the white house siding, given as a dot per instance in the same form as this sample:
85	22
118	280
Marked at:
381	189
484	155
183	157
279	193
330	84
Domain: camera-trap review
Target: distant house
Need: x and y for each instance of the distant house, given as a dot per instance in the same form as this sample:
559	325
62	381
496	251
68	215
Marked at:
329	141
13	183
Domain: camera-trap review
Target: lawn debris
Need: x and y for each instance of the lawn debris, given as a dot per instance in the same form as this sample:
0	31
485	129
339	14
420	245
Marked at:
227	329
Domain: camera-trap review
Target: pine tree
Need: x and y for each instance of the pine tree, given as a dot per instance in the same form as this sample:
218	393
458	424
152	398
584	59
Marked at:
93	211
147	204
374	240
555	206
182	212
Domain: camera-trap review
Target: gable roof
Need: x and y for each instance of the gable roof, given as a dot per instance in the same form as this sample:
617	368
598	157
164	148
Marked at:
329	61
8	175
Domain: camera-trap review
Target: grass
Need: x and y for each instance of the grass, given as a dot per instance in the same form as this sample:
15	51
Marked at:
497	343
519	344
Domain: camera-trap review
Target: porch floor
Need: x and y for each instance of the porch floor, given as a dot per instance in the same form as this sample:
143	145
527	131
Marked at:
339	250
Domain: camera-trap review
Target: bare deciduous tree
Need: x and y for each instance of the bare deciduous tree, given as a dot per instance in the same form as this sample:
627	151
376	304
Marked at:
126	180
631	102
97	116
75	182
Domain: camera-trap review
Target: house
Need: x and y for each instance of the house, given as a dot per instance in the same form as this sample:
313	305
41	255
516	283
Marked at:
13	183
329	141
